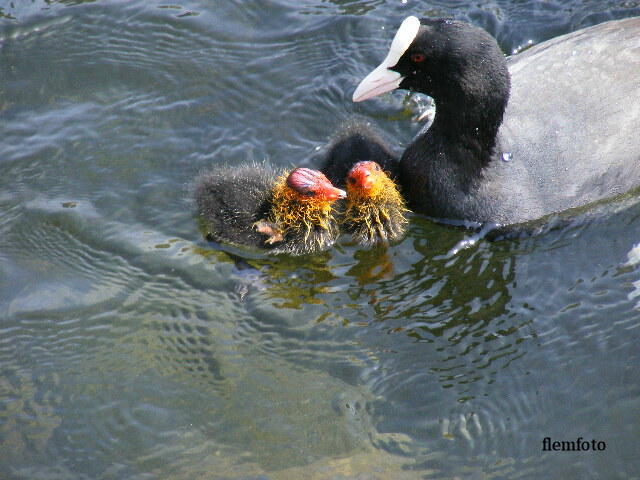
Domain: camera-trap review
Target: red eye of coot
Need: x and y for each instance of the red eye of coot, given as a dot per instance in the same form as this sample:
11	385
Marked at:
418	57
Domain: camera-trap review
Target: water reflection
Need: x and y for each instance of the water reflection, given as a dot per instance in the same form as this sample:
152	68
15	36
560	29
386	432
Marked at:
292	282
459	305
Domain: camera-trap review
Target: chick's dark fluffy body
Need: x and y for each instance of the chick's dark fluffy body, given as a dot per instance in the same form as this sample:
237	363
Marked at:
375	223
231	199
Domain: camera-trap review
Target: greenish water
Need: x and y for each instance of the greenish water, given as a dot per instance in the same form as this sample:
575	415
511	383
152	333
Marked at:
131	348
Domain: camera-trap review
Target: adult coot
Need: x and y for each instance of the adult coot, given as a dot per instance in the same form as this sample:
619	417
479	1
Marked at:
517	138
375	211
255	205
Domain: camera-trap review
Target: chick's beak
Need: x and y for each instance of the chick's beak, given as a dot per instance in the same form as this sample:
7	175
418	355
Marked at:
330	193
336	194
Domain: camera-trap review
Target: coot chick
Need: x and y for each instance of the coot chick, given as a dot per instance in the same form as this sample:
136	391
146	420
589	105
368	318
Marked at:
356	142
375	211
565	134
257	206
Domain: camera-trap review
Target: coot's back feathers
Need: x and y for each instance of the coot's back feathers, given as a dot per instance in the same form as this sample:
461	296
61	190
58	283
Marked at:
572	120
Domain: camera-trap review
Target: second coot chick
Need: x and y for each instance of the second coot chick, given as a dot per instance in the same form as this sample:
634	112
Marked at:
374	211
257	206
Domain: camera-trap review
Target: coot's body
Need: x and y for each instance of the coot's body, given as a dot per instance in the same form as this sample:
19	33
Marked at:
571	130
564	135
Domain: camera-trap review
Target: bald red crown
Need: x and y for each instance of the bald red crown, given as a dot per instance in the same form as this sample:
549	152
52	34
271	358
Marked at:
312	183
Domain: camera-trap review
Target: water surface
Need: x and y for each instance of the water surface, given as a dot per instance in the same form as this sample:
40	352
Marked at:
131	348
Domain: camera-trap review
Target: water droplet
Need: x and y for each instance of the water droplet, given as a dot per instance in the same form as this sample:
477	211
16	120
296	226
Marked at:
507	156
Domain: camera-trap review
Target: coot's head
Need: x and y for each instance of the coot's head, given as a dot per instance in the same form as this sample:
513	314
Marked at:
365	179
449	60
313	185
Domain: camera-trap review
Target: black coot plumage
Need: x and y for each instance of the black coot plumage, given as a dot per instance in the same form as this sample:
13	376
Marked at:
375	212
515	139
255	205
356	142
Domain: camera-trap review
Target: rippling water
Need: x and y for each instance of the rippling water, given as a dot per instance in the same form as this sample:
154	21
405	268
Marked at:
131	348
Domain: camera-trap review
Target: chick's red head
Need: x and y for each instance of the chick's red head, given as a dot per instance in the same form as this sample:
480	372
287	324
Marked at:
364	178
313	185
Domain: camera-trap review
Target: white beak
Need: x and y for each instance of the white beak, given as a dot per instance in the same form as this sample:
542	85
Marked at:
382	79
379	81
